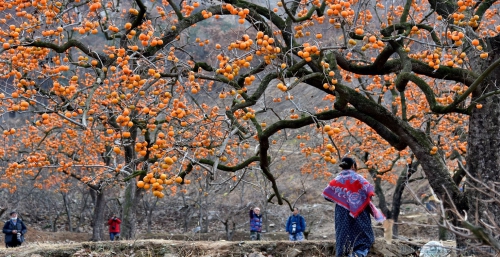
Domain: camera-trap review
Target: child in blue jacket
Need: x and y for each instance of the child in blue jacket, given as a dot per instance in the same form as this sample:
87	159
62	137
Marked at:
295	226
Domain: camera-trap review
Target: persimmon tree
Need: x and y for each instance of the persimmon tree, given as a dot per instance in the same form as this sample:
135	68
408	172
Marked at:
150	91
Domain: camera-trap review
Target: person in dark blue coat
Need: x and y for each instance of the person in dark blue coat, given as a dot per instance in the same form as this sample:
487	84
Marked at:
14	230
295	226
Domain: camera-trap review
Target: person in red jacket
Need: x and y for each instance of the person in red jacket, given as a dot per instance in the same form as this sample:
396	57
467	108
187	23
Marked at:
114	228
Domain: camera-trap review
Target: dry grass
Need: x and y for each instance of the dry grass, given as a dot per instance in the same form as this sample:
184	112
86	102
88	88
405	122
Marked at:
156	247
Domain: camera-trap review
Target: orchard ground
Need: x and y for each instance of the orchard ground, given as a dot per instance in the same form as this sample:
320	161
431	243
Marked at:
171	248
415	230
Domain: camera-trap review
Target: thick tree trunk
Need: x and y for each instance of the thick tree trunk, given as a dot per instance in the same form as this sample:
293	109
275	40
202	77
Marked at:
132	195
382	202
54	222
205	210
81	215
128	226
98	217
67	207
393	213
150	221
185	212
436	170
437	173
396	200
201	215
404	177
150	207
483	153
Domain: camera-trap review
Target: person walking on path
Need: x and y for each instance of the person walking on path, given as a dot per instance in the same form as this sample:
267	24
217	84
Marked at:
295	226
255	224
352	194
14	230
114	228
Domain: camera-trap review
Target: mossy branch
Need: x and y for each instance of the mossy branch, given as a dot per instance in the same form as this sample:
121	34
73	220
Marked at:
231	168
264	165
403	106
135	174
474	85
258	22
383	56
304	78
183	24
249	101
394	66
385	133
482	8
140	16
444	7
265	12
259	68
70	43
401	80
482	235
479	99
202	65
320	10
428	92
176	10
407	30
185	172
406	11
235	122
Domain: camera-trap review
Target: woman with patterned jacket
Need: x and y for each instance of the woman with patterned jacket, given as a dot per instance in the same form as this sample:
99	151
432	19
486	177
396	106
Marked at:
352	194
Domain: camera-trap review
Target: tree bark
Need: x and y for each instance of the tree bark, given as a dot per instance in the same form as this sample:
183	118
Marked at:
382	202
54	222
398	193
483	151
98	216
68	211
393	212
149	213
128	225
150	207
436	170
81	215
185	212
205	211
132	195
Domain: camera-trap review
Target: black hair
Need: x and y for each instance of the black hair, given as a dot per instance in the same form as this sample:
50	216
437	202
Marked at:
347	163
